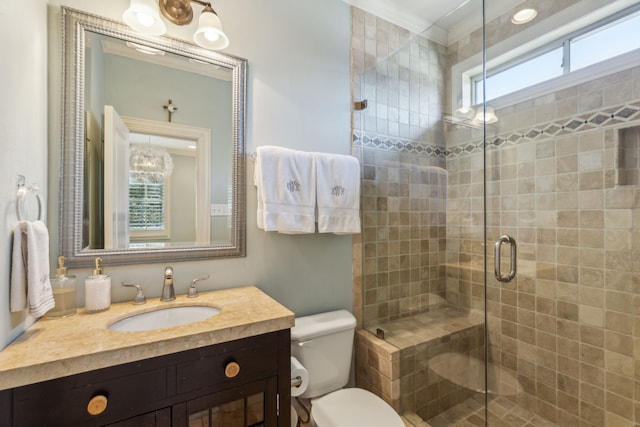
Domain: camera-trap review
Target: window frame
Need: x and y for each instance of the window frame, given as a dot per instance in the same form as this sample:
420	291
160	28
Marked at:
163	234
528	56
535	40
565	43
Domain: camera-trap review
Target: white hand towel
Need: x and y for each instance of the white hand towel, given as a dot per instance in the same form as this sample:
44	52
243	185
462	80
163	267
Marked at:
30	285
338	193
286	190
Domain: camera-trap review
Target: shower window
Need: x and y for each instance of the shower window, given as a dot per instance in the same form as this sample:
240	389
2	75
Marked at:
606	40
515	77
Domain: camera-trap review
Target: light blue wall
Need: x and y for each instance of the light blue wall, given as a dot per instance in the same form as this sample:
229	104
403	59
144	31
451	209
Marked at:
23	130
140	89
298	97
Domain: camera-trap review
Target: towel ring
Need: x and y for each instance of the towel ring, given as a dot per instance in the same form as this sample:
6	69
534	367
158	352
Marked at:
25	190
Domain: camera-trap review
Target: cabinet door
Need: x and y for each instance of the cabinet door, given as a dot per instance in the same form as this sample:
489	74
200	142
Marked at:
160	418
251	405
6	411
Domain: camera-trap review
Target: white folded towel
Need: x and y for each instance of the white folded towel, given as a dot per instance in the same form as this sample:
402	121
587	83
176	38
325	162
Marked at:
338	193
286	190
30	285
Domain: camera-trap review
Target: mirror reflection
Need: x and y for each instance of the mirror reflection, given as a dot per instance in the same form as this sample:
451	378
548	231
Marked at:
143	192
161	142
155	214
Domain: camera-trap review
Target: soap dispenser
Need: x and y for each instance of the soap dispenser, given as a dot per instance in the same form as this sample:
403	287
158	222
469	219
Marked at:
97	290
63	286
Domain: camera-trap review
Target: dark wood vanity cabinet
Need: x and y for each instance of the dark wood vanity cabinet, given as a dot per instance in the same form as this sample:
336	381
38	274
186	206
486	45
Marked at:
242	383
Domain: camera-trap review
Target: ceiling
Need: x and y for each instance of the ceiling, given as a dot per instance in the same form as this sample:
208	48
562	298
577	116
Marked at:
163	141
444	20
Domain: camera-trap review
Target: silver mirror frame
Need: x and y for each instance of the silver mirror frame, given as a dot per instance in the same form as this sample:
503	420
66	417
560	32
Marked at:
75	23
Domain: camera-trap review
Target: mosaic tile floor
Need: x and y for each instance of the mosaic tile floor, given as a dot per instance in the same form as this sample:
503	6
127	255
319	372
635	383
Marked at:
470	413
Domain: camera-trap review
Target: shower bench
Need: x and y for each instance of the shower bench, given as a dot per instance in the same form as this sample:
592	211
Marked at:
427	363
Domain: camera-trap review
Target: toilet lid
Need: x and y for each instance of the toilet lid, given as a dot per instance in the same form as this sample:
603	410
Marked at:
353	407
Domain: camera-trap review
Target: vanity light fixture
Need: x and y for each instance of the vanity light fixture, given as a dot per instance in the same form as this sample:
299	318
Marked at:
475	116
523	16
465	112
143	16
488	116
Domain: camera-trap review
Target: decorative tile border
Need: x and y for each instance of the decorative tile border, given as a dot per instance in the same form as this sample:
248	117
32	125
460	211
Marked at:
599	119
389	143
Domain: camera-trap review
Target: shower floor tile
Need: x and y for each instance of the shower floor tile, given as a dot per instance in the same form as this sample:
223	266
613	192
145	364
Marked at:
470	413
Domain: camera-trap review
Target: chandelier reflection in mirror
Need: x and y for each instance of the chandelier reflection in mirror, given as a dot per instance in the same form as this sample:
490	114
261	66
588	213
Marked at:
144	17
149	163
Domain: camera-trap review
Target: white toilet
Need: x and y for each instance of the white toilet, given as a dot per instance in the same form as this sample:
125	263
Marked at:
323	344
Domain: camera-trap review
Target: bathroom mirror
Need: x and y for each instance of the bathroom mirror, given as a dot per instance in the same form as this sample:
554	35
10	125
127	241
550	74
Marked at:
153	151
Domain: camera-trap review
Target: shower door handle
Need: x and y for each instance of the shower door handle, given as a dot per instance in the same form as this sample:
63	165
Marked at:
498	268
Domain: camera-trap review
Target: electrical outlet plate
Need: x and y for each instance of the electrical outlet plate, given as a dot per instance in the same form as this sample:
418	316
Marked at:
220	210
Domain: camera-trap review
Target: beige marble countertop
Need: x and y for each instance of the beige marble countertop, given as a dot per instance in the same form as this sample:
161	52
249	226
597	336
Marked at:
53	348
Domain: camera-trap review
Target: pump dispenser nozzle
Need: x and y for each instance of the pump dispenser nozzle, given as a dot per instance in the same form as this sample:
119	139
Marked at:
61	270
98	270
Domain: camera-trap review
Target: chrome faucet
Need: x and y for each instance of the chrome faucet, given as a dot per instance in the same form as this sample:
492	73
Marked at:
193	291
168	293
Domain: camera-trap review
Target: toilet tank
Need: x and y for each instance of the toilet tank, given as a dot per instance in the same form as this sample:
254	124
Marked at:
323	343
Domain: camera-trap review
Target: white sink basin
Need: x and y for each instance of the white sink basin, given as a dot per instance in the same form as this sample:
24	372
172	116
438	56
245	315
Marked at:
164	318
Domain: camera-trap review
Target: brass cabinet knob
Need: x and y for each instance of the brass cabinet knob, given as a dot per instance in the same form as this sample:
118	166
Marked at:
232	369
97	405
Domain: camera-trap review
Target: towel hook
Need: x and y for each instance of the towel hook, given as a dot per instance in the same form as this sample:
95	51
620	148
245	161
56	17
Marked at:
25	190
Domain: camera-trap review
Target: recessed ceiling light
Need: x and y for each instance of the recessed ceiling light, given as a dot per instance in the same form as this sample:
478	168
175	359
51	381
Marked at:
523	16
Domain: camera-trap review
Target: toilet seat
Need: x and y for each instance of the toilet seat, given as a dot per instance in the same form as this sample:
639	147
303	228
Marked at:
350	407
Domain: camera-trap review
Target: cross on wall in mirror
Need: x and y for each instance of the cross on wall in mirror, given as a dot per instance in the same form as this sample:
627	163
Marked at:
170	109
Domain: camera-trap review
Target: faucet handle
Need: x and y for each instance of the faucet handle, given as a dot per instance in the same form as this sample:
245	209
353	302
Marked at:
193	292
139	298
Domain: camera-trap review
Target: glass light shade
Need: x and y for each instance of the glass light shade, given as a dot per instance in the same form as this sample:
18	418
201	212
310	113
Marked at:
487	116
465	112
149	163
143	16
209	34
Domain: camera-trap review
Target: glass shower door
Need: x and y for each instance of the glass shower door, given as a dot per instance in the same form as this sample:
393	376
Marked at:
477	135
561	171
422	347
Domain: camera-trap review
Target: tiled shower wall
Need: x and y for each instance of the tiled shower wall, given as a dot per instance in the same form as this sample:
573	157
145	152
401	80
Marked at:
560	182
399	138
403	77
567	328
